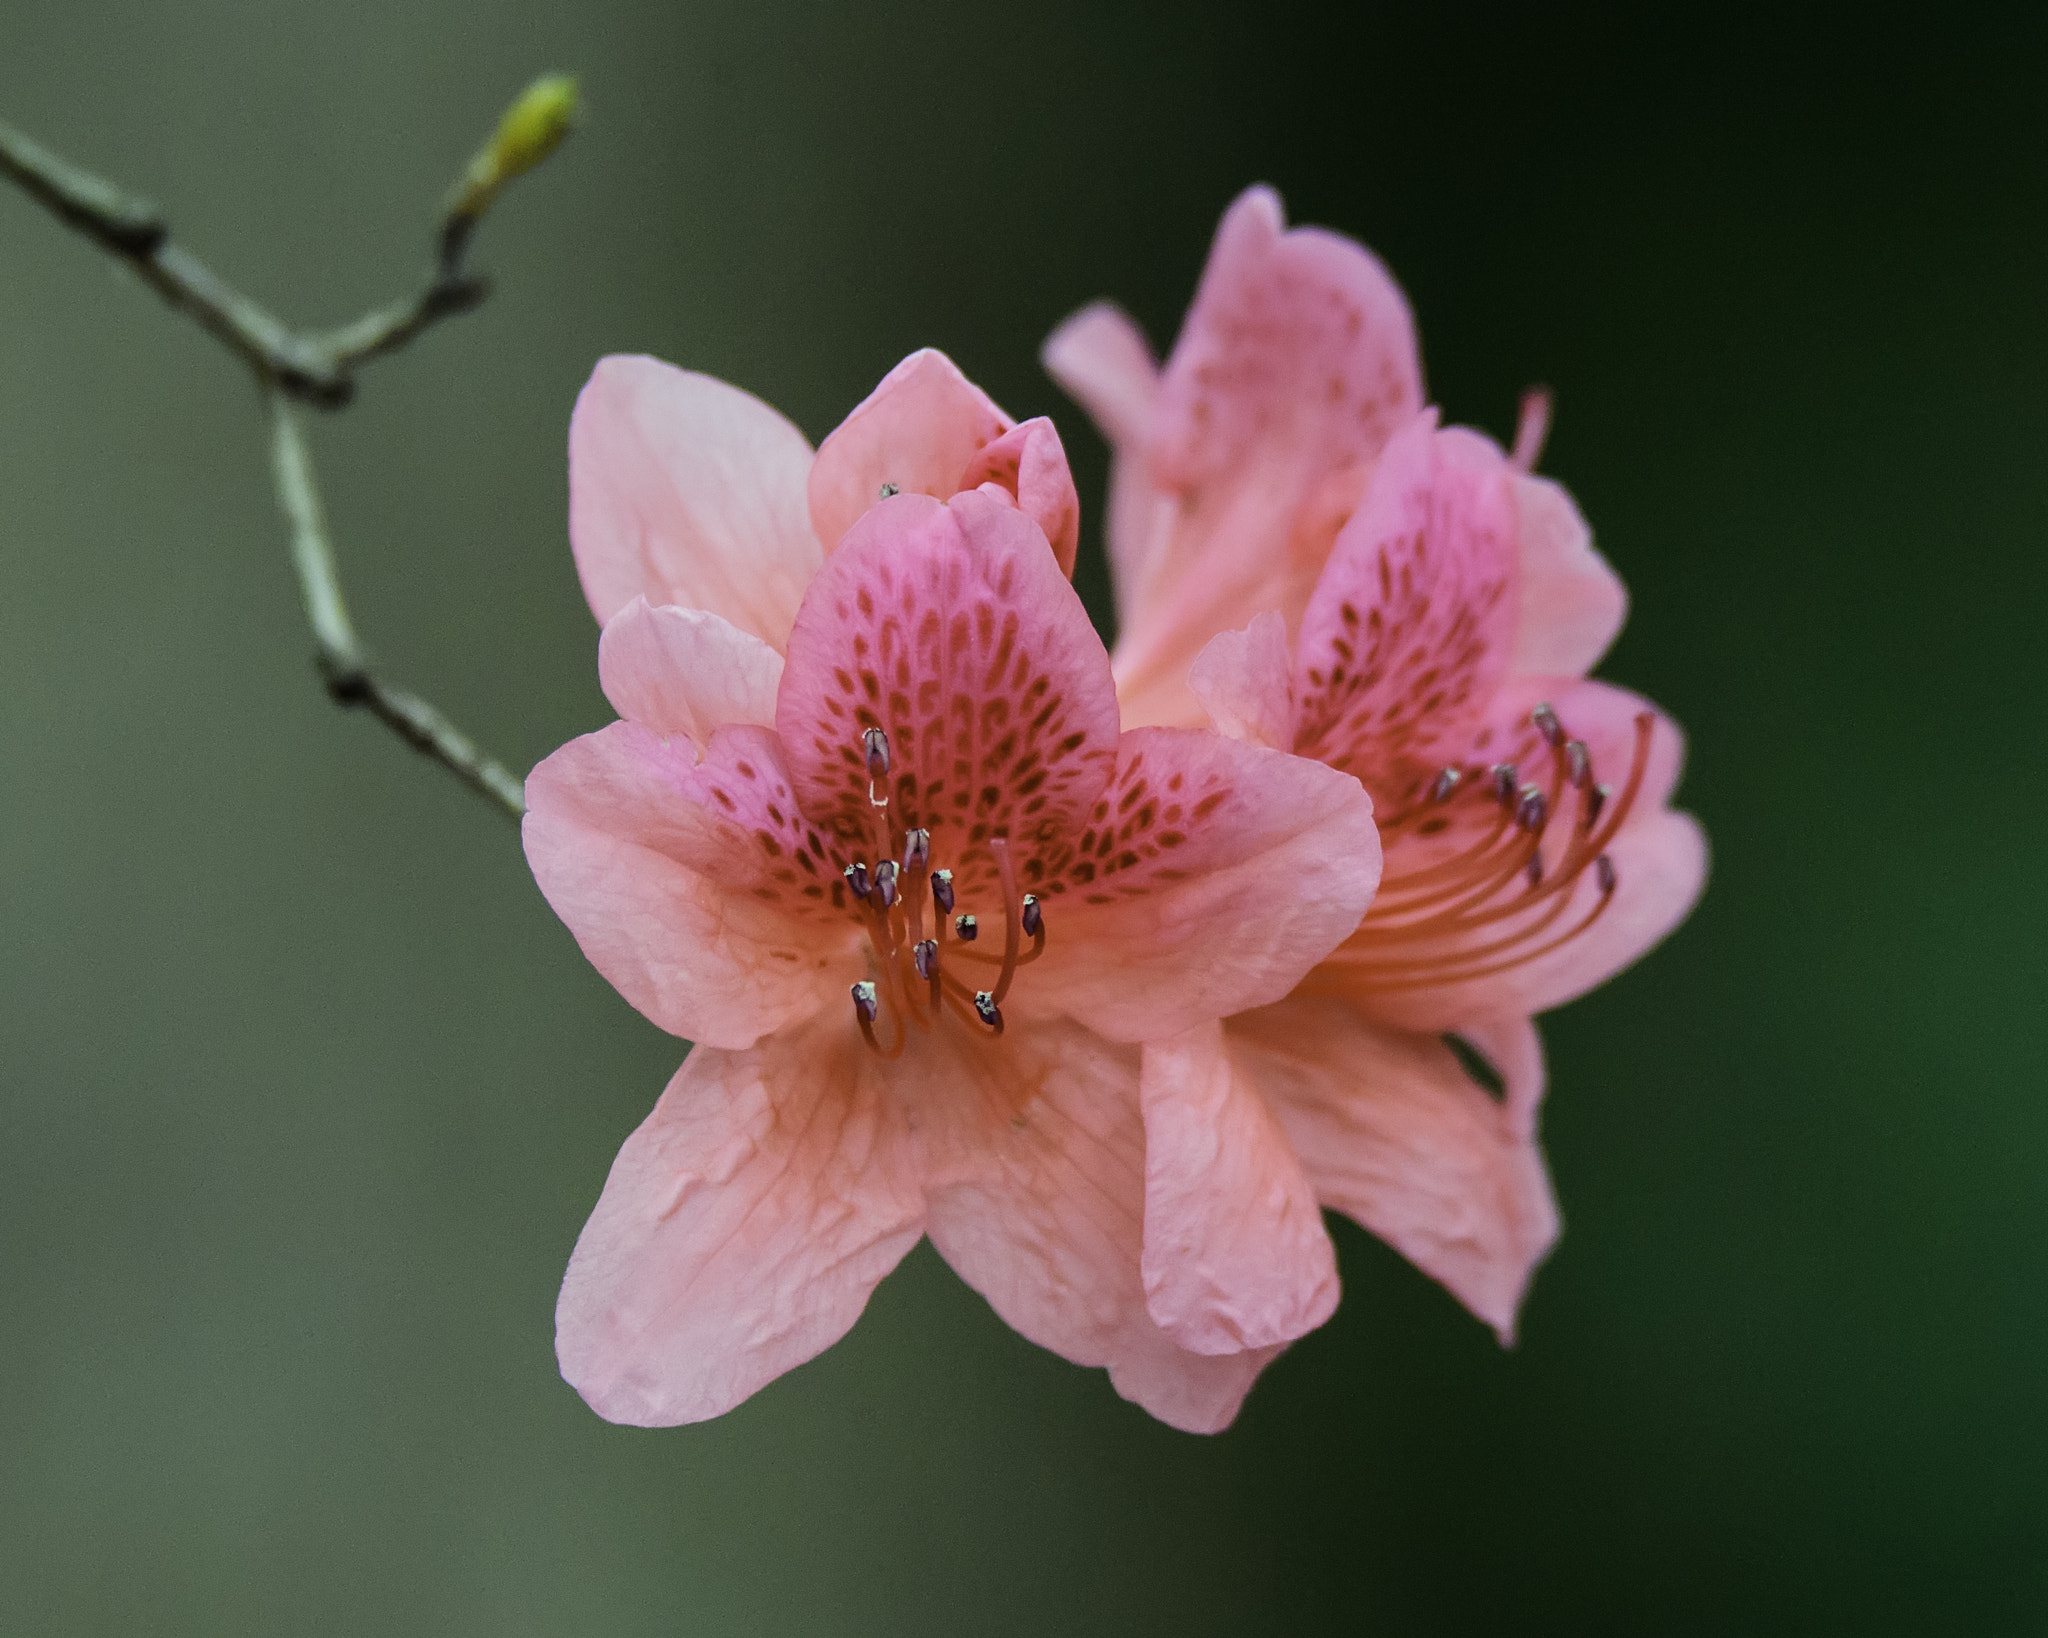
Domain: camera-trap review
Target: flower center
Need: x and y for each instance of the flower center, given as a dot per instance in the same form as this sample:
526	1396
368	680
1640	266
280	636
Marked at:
920	978
1498	901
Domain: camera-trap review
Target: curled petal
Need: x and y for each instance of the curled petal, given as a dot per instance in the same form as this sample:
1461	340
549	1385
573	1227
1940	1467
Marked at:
1392	1132
685	883
686	671
1243	681
1212	877
920	431
1028	463
741	1230
1034	1168
687	491
1235	1252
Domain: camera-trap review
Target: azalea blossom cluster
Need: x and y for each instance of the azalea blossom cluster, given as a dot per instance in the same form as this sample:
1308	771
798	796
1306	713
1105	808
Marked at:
1107	972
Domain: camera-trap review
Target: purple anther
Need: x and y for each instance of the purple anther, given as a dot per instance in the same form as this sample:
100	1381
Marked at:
1535	871
1440	788
942	891
1505	778
865	1006
1596	799
985	1005
875	747
885	882
966	929
1531	805
856	875
924	954
1578	763
917	849
1033	917
1603	873
887	490
1547	725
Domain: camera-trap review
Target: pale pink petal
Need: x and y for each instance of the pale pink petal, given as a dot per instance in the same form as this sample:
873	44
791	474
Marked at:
1565	942
1029	463
684	490
686	671
952	629
1572	602
919	430
689	885
1101	357
1296	365
1392	1132
1409	632
1244	681
1235	1252
741	1229
1515	1050
1212	877
1032	1152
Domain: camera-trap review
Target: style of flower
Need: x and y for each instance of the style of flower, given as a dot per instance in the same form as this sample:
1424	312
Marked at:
1427	612
950	942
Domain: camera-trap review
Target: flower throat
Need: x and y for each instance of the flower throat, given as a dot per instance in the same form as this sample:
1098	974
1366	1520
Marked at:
915	978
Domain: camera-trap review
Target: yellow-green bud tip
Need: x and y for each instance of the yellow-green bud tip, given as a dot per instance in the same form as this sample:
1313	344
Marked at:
533	127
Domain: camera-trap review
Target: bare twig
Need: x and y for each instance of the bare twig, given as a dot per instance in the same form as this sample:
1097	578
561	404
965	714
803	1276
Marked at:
340	652
319	368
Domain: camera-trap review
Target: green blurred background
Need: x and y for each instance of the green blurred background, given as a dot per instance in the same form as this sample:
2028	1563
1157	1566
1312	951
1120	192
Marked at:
306	1093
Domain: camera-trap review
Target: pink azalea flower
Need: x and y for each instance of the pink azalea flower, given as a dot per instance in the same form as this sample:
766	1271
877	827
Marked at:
1427	612
950	942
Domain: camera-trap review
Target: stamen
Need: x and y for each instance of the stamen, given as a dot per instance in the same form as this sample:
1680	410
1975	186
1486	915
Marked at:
966	929
1530	808
888	489
1578	763
1548	726
875	747
1531	428
885	883
856	875
917	848
1504	781
1596	799
991	1014
924	955
1604	873
1033	918
1013	914
1443	785
866	1005
942	891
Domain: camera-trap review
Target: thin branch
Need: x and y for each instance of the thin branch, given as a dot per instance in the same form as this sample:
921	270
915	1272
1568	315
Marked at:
343	665
319	368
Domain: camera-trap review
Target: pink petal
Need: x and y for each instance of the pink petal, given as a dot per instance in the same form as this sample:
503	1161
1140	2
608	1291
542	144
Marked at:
1213	877
919	430
1244	681
684	490
1100	356
686	671
1392	1132
1572	602
1296	365
1659	860
1409	632
953	629
1235	1253
741	1229
687	884
1033	1157
1029	463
